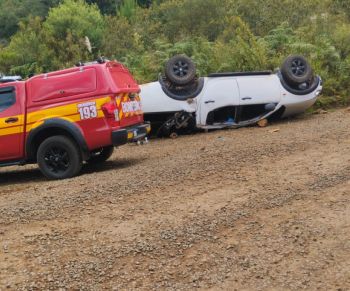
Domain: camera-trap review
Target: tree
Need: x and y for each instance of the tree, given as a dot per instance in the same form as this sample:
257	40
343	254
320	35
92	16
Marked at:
265	15
218	34
26	52
107	6
66	28
14	11
341	7
127	8
182	18
57	43
120	38
237	49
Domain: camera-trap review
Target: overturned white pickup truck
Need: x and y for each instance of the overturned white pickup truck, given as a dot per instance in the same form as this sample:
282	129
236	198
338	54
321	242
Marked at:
181	102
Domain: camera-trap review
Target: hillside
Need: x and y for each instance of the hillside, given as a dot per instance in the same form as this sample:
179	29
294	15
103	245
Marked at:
220	35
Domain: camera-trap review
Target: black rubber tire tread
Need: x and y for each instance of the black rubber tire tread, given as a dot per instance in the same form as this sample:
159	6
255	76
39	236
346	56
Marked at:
180	80
103	156
291	78
181	97
317	81
74	154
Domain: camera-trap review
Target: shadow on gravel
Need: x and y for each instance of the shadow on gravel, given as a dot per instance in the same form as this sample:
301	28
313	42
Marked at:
110	165
22	176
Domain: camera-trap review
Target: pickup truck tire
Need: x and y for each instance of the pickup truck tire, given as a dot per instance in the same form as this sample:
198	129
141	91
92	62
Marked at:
296	70
180	70
101	155
59	157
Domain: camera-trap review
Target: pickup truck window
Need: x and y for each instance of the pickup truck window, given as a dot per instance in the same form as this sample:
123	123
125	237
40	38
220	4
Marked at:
7	98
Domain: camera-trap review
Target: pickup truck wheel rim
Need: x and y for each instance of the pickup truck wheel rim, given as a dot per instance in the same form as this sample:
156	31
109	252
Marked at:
57	160
298	68
180	69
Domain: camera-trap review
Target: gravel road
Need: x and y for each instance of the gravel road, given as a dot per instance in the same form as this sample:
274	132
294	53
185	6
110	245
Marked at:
247	209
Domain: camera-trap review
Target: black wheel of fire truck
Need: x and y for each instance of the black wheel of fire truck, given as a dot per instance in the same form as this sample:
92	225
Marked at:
101	155
59	157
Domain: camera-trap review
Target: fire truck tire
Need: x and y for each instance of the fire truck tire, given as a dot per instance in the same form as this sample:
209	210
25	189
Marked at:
59	157
101	155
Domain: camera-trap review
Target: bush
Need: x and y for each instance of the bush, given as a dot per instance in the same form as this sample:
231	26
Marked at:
58	42
26	52
220	35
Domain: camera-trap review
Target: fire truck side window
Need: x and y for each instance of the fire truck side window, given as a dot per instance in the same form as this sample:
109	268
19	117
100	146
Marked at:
7	98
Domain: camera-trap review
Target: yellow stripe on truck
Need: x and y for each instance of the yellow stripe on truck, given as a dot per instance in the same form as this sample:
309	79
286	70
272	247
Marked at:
34	119
68	112
12	128
119	100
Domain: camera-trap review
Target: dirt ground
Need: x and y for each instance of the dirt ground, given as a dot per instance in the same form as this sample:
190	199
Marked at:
247	209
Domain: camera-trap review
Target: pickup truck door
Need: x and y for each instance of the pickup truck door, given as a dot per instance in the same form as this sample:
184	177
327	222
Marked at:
218	93
258	96
259	89
12	117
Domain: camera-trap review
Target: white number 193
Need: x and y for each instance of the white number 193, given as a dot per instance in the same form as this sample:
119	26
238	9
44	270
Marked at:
87	110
